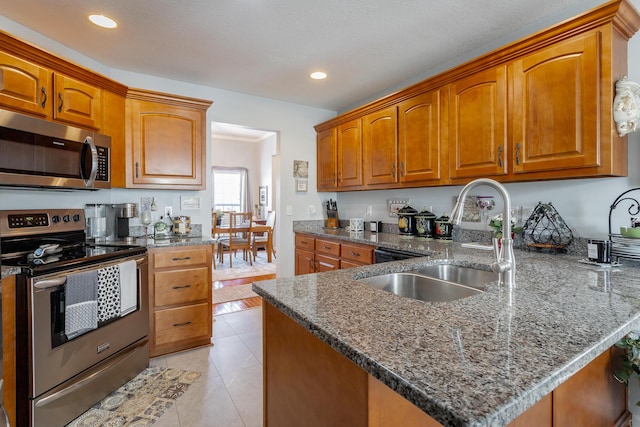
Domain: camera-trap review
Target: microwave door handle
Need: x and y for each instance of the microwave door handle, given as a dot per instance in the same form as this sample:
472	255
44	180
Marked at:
94	162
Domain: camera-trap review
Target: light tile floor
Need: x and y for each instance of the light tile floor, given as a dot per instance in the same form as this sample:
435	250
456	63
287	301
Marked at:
229	392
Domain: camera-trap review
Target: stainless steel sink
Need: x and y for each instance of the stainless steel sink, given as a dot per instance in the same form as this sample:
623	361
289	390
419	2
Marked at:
460	275
434	283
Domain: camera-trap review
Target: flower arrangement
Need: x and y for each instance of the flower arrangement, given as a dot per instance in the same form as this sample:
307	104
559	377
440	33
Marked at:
496	224
630	360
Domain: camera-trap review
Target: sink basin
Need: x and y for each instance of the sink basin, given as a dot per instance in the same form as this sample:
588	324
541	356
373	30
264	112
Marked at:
434	283
458	274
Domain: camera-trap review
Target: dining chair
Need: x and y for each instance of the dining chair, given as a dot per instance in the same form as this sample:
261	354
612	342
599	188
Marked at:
214	236
265	240
239	236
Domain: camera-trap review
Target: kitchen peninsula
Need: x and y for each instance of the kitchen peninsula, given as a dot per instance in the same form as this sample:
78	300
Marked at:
484	360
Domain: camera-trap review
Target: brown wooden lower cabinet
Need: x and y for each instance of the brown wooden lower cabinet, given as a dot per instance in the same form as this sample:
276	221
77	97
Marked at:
180	308
308	383
315	254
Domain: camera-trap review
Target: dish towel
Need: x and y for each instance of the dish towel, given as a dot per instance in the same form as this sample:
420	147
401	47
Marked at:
80	318
128	287
108	293
81	305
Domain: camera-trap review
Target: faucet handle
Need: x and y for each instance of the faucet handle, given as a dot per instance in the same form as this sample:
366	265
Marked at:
500	266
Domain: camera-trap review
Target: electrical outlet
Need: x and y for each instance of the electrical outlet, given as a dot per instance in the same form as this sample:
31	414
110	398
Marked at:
369	211
289	210
168	211
312	209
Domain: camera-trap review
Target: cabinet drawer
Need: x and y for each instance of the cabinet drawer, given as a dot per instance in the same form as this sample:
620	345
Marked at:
180	286
179	258
328	247
180	324
361	254
326	263
305	242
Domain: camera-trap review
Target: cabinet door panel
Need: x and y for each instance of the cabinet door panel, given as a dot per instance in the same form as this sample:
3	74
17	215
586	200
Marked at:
555	107
327	151
350	155
304	262
77	102
24	86
380	147
419	138
478	131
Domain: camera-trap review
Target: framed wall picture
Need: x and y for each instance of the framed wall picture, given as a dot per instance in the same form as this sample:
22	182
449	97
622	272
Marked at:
300	169
263	196
301	185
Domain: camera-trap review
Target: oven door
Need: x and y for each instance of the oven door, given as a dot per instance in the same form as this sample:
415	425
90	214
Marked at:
55	361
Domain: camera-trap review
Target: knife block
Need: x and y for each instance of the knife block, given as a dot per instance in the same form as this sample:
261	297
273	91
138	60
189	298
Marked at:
332	221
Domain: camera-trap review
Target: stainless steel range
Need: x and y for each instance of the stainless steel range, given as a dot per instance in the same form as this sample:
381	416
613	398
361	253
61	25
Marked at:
81	314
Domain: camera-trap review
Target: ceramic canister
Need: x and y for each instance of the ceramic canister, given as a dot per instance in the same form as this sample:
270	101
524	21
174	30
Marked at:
426	224
407	220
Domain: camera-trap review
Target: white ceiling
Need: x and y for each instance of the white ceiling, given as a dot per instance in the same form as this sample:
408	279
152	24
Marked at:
268	48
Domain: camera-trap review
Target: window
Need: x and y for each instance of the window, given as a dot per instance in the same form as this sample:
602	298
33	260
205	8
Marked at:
230	189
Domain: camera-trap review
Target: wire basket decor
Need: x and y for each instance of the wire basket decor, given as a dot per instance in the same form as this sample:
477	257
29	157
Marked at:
545	229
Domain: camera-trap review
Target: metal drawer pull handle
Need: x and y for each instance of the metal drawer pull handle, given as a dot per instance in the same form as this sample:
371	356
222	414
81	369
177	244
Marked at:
500	155
61	102
182	287
44	284
182	324
181	259
44	97
518	153
327	247
355	253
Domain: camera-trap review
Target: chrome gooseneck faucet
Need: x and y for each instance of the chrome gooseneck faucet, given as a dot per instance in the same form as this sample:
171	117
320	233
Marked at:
505	263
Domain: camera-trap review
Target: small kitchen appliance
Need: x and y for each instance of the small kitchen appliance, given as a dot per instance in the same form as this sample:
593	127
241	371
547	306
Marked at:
124	212
108	222
375	226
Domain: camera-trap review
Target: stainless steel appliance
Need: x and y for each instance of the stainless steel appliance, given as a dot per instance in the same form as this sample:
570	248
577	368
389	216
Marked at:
61	372
385	255
37	153
107	222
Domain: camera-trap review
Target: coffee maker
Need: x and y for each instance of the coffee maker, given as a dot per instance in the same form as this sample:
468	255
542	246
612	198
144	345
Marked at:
107	222
123	213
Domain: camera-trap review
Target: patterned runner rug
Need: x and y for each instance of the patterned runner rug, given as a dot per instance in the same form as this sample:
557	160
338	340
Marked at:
242	268
141	401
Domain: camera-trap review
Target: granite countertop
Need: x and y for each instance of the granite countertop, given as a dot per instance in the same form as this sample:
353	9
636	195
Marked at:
477	361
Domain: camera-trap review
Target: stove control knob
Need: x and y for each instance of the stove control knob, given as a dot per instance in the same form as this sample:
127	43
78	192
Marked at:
76	218
66	218
55	219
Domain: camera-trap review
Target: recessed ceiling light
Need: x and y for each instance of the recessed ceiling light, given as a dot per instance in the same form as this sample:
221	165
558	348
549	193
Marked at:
318	75
103	21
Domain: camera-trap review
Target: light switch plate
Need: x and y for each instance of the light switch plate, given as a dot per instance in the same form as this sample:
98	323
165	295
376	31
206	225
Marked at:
289	210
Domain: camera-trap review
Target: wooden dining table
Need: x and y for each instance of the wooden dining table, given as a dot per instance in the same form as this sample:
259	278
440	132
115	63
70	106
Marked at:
255	228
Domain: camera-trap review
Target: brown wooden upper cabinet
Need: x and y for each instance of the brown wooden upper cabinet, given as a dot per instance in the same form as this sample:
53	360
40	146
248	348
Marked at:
36	90
477	125
537	109
165	141
555	106
327	157
402	142
350	154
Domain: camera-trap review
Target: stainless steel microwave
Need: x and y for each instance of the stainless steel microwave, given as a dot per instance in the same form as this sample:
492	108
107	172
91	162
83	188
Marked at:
40	154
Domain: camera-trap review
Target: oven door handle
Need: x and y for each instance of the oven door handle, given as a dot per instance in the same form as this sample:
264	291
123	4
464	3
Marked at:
75	386
45	284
